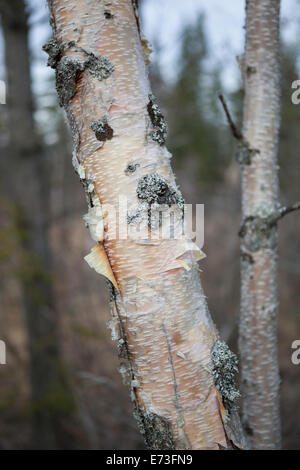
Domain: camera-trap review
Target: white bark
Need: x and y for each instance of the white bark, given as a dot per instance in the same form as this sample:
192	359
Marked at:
259	302
159	314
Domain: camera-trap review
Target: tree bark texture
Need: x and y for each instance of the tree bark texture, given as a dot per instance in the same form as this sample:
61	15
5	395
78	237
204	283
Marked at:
259	300
165	335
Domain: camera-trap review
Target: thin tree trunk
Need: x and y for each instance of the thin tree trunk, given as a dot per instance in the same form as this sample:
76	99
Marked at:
259	302
24	177
170	356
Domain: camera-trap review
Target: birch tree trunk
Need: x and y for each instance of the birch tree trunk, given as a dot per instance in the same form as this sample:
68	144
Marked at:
168	346
259	302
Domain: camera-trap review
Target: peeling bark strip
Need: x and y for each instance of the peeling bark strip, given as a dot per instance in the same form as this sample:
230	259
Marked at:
259	304
159	315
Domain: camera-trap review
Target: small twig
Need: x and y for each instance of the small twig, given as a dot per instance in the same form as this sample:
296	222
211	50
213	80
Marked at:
245	151
284	211
235	131
264	224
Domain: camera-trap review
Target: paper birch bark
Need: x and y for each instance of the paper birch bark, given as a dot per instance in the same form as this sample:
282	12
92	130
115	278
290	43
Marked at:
168	346
258	156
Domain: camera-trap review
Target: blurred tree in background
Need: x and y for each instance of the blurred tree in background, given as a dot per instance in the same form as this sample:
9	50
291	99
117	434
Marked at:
25	171
194	120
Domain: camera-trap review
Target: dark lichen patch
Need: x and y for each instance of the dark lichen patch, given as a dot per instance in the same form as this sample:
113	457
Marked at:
98	66
247	258
108	14
122	349
139	214
155	194
67	74
225	368
245	153
158	122
131	167
155	430
88	186
111	290
102	130
258	232
153	188
68	68
132	217
250	70
135	4
54	49
71	44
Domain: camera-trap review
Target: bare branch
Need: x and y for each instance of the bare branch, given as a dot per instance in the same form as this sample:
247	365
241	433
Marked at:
244	151
284	211
235	131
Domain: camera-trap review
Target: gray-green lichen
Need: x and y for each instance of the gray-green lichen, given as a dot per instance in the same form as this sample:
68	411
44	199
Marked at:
155	193
102	129
158	122
69	67
67	72
122	349
154	188
155	430
258	232
138	214
245	153
99	66
54	50
225	368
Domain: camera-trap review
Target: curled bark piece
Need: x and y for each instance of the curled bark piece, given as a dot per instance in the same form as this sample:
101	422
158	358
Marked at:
97	259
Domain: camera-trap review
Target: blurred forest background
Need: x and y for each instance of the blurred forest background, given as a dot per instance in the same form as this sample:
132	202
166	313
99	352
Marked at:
61	380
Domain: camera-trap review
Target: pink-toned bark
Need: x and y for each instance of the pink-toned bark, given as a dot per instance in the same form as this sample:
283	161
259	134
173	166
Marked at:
159	314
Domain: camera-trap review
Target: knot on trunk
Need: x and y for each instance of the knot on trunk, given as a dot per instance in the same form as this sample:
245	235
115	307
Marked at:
258	232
